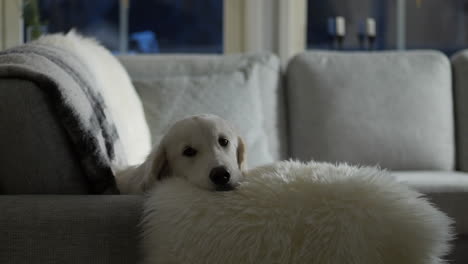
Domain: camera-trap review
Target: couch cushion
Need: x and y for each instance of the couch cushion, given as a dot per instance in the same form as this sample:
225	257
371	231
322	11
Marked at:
243	89
434	181
448	190
392	109
36	154
173	98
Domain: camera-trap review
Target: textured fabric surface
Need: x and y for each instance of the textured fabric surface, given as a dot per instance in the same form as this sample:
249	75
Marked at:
260	71
460	81
447	189
455	206
290	212
392	109
36	155
459	254
69	229
78	102
434	181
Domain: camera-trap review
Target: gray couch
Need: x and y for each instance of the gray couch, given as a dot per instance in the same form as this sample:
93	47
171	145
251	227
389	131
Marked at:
402	111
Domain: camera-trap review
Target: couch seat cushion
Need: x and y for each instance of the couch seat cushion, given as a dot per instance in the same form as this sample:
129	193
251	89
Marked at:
447	189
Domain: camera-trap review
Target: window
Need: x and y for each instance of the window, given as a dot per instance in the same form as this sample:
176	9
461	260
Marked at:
410	24
159	26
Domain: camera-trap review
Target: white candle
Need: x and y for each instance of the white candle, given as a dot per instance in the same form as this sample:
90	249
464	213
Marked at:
340	26
370	27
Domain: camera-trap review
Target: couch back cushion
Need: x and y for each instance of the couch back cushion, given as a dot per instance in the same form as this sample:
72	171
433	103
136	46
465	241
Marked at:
242	89
392	109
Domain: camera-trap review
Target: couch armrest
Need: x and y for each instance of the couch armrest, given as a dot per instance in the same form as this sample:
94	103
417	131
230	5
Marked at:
37	156
69	228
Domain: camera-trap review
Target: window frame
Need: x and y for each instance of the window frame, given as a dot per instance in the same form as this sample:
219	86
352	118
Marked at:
277	26
11	23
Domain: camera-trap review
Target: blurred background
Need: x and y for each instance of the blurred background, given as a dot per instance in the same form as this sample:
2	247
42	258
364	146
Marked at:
427	24
200	26
162	26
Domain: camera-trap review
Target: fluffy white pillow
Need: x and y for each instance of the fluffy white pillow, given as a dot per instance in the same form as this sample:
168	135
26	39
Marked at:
291	212
234	96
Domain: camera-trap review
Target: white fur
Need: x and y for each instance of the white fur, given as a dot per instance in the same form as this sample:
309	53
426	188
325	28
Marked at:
117	91
200	132
291	212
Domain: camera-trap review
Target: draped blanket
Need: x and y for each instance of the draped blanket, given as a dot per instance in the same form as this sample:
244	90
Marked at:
85	107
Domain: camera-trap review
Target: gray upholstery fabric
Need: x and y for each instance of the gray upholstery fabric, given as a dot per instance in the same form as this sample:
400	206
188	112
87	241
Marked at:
459	254
454	204
447	189
36	154
434	181
392	109
150	67
460	82
69	229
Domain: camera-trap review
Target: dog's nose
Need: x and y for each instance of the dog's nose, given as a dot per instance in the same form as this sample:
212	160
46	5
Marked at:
220	175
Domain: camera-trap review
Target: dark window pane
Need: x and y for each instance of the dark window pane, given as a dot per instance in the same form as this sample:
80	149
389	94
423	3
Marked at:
99	19
193	26
429	24
167	26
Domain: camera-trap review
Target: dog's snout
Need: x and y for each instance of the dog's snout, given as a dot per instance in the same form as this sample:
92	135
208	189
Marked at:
220	176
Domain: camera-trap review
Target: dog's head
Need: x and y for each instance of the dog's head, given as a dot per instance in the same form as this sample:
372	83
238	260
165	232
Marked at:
202	149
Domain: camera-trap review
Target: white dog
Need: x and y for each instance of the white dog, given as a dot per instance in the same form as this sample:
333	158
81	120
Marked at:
202	149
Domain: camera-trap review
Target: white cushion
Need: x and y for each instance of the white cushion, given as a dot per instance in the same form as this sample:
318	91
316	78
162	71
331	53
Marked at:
393	109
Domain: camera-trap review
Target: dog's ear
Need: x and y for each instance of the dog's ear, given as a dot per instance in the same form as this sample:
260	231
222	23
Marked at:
241	154
156	167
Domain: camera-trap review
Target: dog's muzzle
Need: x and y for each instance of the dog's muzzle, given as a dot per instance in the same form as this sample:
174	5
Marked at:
220	176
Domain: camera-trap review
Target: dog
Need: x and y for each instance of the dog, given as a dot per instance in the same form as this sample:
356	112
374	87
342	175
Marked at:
203	149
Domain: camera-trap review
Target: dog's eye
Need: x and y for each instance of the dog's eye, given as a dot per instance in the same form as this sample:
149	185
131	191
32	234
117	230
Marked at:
223	141
189	152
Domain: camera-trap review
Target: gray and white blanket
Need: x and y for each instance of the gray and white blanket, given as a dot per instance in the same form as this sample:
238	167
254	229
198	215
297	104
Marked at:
79	105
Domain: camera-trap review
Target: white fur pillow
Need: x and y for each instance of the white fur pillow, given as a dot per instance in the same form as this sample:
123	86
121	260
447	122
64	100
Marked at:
292	212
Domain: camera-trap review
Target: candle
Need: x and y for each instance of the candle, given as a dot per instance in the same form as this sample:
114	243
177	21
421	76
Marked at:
370	27
340	26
